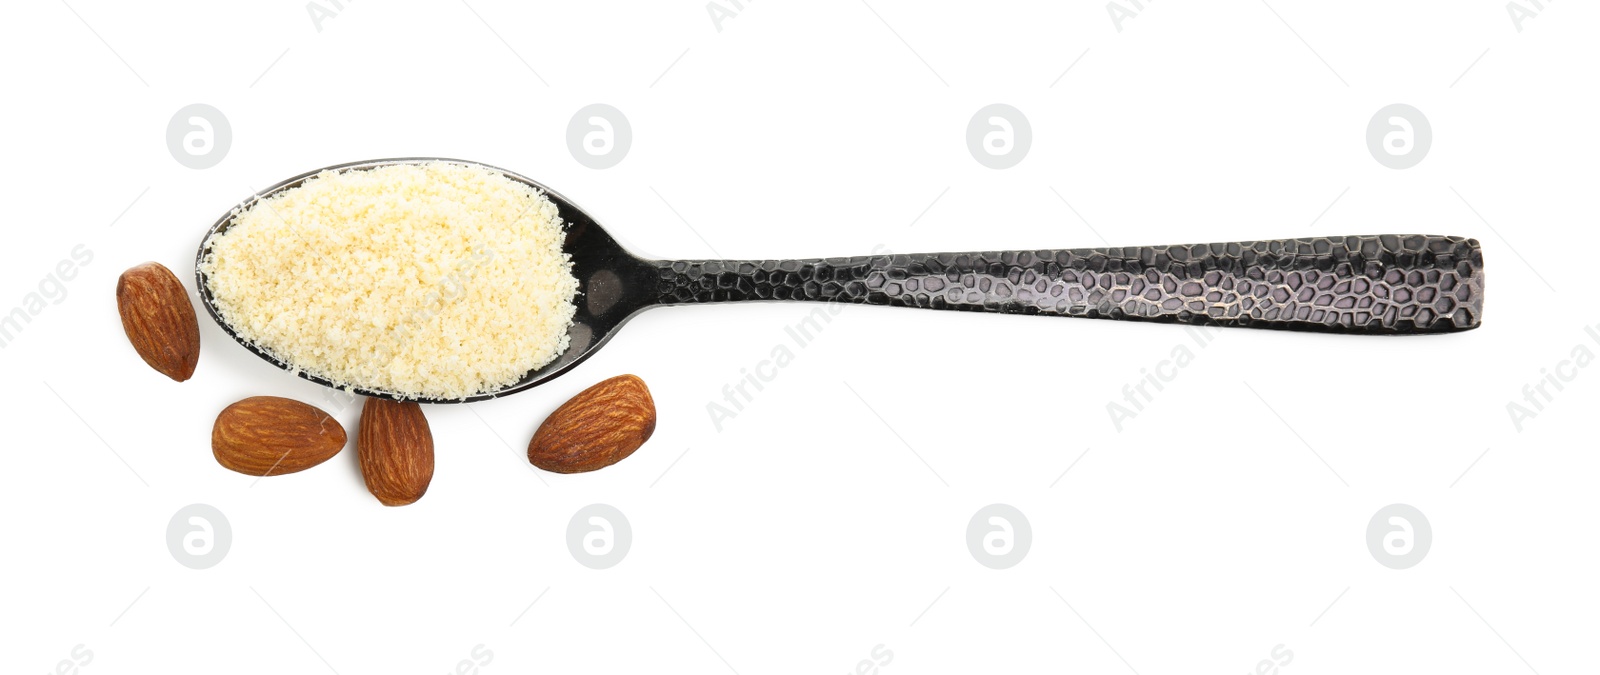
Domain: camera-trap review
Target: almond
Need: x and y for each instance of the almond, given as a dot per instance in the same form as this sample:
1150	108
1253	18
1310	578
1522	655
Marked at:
396	450
159	319
599	427
269	436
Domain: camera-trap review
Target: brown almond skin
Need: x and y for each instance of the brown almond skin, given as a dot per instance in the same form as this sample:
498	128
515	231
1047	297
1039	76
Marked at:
159	319
396	450
271	436
599	427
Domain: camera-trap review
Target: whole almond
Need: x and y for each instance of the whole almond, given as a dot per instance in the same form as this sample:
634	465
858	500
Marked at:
159	319
270	436
599	427
396	450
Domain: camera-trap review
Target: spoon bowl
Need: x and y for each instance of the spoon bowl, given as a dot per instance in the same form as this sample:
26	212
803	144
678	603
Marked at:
1385	284
608	276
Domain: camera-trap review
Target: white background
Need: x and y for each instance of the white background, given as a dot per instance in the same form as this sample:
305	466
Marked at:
830	515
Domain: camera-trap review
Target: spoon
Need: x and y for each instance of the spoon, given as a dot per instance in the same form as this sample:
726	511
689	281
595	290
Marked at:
1367	285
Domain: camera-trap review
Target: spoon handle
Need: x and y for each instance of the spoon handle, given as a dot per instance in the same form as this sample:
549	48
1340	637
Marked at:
1378	284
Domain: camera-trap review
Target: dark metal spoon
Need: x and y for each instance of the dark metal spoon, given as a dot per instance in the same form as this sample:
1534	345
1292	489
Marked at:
1370	285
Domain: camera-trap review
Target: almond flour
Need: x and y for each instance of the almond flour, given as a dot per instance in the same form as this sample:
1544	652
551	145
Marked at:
434	280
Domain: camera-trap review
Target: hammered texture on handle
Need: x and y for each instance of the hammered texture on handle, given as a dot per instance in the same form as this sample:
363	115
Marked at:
1358	284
